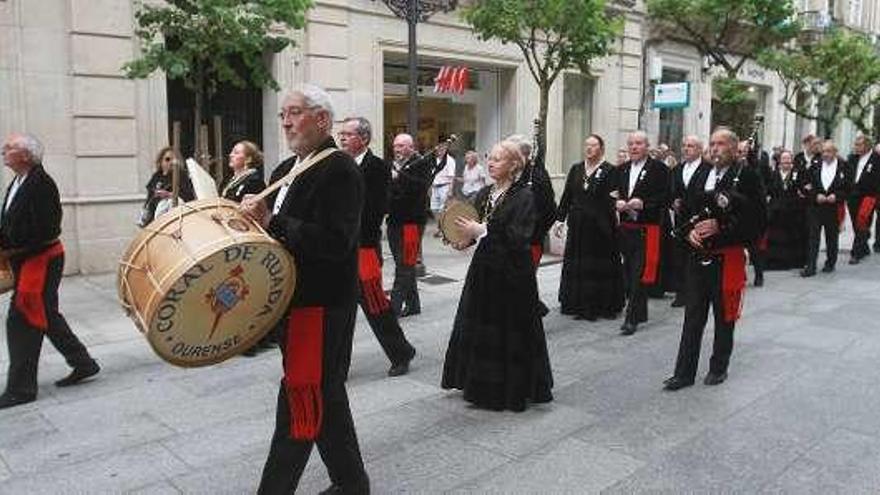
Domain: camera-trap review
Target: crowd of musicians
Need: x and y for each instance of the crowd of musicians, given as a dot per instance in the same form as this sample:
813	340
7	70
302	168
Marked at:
636	229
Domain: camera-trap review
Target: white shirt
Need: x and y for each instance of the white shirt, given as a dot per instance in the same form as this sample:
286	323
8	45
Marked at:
687	172
634	171
715	176
447	175
282	192
16	185
474	179
861	167
360	158
829	170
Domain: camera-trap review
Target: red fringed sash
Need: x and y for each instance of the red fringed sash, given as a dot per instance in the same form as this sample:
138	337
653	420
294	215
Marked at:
652	254
303	353
841	212
733	281
31	283
866	210
410	244
537	252
370	274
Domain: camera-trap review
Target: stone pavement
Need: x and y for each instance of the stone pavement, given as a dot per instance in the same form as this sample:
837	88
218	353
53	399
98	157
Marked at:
799	413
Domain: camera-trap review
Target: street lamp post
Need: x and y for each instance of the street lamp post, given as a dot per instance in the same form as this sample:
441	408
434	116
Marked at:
415	11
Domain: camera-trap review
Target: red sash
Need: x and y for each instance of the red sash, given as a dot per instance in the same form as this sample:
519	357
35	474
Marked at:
303	358
733	281
410	244
652	250
537	252
30	286
866	210
370	275
841	212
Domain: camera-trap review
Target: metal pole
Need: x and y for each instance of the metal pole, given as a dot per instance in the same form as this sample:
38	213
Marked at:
413	108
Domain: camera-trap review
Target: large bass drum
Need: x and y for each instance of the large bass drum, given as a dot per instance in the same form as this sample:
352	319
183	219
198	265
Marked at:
204	282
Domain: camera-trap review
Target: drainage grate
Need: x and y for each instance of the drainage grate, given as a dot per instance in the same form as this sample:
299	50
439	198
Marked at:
436	279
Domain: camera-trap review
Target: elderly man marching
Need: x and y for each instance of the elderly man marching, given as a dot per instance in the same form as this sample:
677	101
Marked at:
729	215
316	216
29	230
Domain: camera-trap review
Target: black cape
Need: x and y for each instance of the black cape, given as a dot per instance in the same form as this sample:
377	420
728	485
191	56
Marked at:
786	223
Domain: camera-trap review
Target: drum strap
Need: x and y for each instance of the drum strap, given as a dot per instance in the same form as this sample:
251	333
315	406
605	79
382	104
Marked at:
303	361
31	283
294	173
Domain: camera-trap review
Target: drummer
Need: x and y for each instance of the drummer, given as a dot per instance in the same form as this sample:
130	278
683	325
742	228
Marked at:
30	226
317	218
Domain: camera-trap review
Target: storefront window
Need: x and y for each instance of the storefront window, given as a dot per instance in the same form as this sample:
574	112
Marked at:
672	119
577	118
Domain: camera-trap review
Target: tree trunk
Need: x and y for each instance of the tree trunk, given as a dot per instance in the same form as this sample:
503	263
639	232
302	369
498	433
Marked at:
544	88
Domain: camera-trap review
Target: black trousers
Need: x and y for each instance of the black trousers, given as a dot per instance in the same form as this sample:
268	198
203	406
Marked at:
337	441
387	330
703	290
877	228
632	247
860	247
405	291
24	342
757	255
823	218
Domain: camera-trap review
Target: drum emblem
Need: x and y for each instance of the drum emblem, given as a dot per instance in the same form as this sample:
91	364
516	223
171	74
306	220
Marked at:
227	295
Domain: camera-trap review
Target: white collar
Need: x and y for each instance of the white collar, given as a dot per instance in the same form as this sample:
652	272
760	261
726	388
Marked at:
360	158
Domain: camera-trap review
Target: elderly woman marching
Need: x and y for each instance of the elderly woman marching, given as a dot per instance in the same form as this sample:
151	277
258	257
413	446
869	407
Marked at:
497	352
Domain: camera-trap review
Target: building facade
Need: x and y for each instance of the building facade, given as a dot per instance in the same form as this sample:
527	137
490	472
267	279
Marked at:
60	79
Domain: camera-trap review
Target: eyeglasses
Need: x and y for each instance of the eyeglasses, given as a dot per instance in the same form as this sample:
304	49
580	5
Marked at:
293	112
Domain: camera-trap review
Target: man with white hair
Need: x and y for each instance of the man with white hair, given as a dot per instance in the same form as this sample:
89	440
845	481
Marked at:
732	194
316	216
864	168
641	202
29	230
685	195
826	188
535	176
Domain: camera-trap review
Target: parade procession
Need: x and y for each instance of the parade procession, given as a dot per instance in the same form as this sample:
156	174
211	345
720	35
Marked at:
465	247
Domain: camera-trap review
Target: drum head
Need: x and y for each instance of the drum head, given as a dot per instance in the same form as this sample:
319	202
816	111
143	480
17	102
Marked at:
455	209
223	304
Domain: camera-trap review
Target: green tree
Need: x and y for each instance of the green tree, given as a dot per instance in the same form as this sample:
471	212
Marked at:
829	80
728	32
204	43
553	35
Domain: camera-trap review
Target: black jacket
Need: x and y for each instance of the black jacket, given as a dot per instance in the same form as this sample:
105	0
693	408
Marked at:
377	178
33	218
409	191
318	223
743	219
869	183
839	187
544	198
652	188
800	161
250	184
690	194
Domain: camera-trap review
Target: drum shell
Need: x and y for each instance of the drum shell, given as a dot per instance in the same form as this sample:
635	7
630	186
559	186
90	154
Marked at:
446	222
184	256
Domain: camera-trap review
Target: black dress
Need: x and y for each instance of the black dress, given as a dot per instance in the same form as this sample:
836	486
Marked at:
497	352
160	180
786	242
236	188
592	274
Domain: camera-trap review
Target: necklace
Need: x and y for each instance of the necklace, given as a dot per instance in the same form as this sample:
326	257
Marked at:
492	204
589	170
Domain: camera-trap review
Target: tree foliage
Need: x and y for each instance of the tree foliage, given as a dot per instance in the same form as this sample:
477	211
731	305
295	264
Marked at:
553	36
829	80
207	43
728	32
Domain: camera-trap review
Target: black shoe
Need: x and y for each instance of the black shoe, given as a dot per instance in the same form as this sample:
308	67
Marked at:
855	260
628	328
676	383
78	375
759	280
402	367
358	489
677	303
251	351
409	312
808	272
877	248
715	378
12	400
827	268
543	310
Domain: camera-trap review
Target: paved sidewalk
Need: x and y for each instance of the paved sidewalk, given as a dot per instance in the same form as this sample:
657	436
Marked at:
799	413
